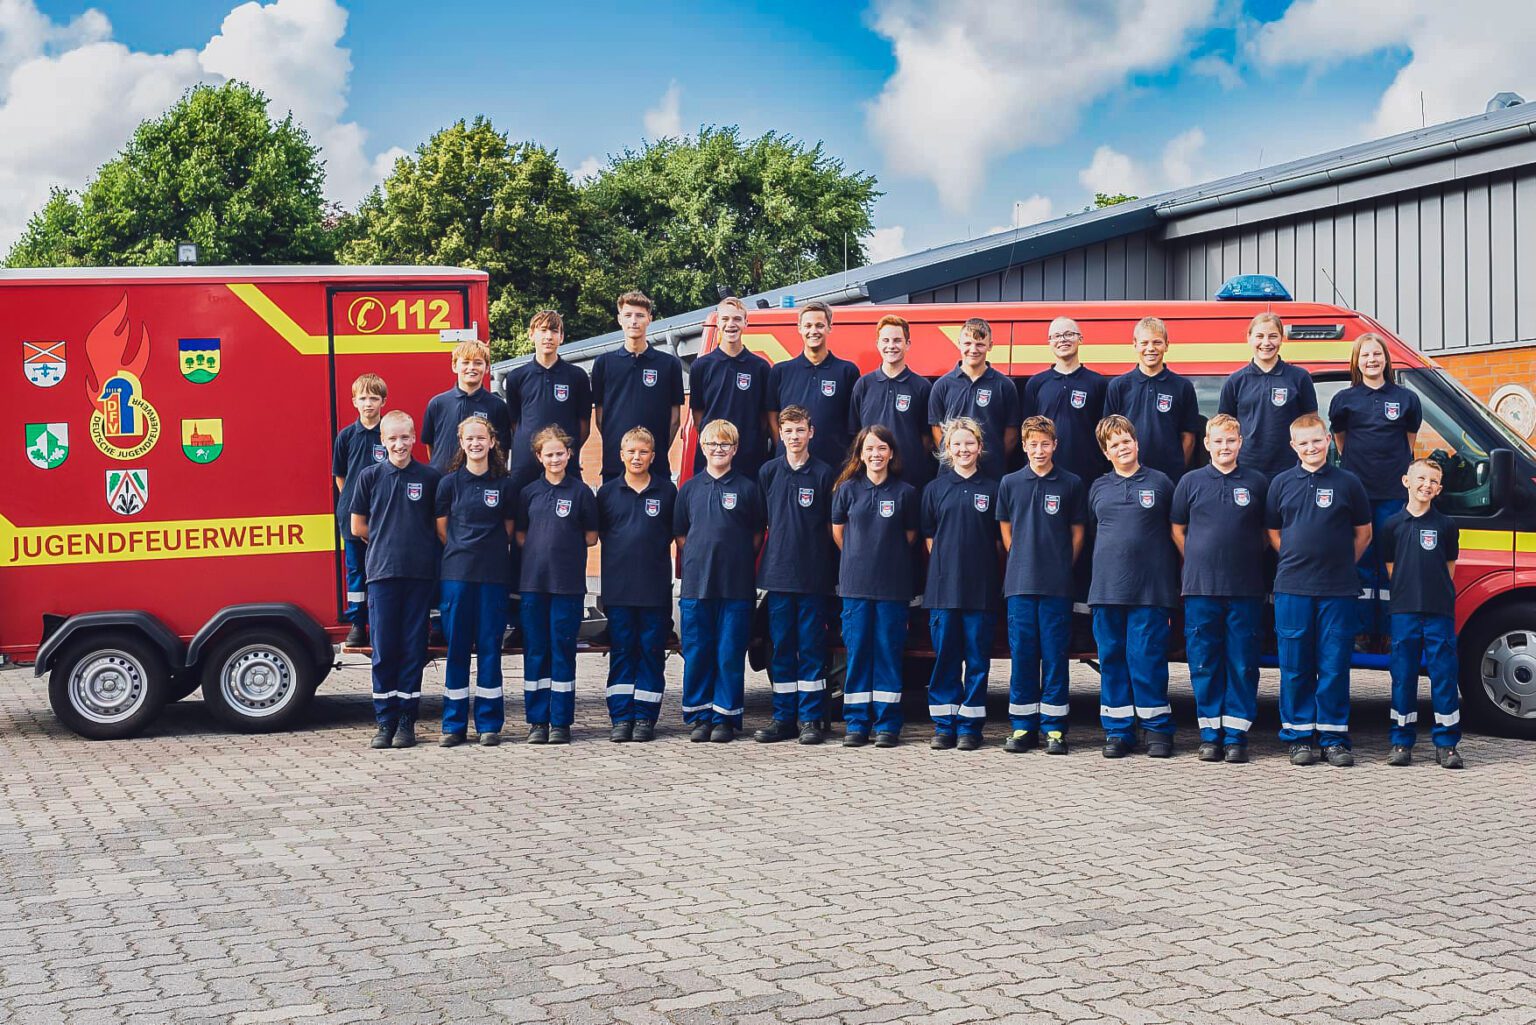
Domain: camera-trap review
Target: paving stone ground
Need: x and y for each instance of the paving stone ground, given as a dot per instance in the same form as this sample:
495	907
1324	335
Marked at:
196	876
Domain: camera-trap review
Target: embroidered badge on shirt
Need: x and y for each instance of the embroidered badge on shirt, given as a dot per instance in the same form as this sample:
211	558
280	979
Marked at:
887	508
492	498
903	403
1164	402
983	502
743	382
648	378
1052	504
1392	409
1429	540
562	392
413	491
1278	396
829	388
562	507
1147	497
983	396
1241	496
1324	497
727	499
1079	399
807	496
380	453
653	507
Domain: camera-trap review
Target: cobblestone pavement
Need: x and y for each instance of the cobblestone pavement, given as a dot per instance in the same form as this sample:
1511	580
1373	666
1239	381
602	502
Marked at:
197	876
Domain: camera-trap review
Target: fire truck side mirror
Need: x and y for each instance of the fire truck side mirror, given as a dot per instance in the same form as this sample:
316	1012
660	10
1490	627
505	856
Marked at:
1501	477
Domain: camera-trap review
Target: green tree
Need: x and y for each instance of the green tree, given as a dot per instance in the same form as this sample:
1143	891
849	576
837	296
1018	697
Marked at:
470	198
681	216
1103	199
215	169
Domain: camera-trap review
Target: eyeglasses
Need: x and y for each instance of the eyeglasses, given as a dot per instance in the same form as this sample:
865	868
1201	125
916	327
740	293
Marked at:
1066	336
720	446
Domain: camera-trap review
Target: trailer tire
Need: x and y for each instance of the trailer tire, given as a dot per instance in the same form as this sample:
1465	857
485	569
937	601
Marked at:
258	679
109	685
183	685
1498	671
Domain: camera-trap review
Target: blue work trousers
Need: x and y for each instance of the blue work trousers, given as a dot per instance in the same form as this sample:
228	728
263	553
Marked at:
1039	638
474	620
715	633
1133	669
551	623
797	660
875	637
962	661
1221	641
637	656
355	556
1429	641
1315	638
401	606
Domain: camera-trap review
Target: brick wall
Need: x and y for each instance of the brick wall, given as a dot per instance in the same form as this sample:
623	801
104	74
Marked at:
1485	372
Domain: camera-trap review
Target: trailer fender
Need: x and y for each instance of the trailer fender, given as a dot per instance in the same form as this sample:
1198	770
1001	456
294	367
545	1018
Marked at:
156	632
282	614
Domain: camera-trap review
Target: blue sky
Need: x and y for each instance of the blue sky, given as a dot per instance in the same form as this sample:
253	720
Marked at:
960	107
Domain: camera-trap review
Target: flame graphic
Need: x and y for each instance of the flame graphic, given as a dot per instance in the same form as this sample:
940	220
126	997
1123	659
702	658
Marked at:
110	349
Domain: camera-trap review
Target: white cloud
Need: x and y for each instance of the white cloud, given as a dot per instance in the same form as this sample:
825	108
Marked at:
1459	55
587	170
1179	157
886	243
976	80
665	120
1033	210
70	97
1112	172
1217	68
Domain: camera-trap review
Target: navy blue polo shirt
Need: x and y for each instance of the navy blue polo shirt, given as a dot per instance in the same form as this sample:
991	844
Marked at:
1161	407
1316	514
877	560
1419	548
1075	404
478	510
960	515
635	528
1265	404
899	403
1040	513
539	397
400	503
1223	517
440	423
356	448
732	388
555	519
637	391
719	519
991	400
1377	422
799	556
826	390
1134	560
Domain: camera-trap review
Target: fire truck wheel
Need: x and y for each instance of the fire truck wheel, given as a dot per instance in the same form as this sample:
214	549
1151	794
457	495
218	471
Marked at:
1498	671
258	679
108	686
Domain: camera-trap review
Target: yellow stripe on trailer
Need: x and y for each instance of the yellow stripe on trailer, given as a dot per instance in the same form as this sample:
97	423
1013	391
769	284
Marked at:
275	317
150	541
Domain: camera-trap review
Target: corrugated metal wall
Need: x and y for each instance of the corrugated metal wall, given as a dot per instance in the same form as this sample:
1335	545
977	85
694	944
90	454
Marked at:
1448	268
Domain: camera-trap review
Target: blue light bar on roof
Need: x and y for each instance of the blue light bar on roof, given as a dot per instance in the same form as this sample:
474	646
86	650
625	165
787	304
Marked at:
1250	287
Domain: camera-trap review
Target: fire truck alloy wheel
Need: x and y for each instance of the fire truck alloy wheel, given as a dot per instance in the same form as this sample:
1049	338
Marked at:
108	686
1509	672
257	679
1498	670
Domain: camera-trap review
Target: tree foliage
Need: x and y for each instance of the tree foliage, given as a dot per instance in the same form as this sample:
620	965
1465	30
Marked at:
1103	199
215	169
682	216
470	198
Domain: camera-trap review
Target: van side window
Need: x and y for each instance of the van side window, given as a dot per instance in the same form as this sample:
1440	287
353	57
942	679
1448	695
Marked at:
1456	438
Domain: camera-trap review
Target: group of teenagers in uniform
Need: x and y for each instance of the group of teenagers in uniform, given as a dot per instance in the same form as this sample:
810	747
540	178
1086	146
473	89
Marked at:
824	489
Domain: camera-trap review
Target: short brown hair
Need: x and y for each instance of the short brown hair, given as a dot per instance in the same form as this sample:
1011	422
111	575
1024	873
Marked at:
1037	425
1223	420
1110	426
731	300
1355	377
794	415
637	434
977	328
1153	324
815	306
1428	464
635	297
1307	420
549	319
370	384
891	320
551	433
471	350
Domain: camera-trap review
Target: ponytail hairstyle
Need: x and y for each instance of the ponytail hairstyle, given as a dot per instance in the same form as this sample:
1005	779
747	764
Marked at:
855	464
497	461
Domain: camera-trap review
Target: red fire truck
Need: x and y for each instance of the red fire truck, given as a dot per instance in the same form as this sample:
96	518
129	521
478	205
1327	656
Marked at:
167	518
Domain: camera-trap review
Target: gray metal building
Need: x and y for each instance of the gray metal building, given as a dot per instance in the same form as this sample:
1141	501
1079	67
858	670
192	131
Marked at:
1432	232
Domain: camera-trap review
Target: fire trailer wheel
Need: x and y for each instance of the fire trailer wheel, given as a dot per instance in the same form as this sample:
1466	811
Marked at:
109	686
257	680
1498	671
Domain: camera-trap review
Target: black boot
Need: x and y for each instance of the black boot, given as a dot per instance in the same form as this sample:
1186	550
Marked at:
381	739
405	733
357	637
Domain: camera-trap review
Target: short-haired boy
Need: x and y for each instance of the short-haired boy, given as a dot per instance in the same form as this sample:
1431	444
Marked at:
357	448
1160	403
468	397
1422	545
1042	511
394	511
636	385
799	571
1319	520
730	382
977	390
634	525
819	381
1135	588
718	525
543	391
1218	526
895	395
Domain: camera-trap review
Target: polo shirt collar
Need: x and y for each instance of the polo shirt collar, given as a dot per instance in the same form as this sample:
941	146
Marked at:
959	372
1280	365
1055	472
901	378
